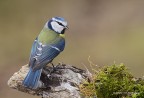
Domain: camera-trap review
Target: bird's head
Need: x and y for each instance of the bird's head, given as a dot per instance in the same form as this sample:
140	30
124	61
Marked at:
57	24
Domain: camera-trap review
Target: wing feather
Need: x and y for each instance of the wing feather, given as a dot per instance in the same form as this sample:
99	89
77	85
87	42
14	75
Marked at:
41	54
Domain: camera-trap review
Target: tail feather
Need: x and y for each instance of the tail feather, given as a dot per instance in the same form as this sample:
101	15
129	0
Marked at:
32	79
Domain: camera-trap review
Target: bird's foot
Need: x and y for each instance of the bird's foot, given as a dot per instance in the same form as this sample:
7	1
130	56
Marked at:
52	64
53	67
60	63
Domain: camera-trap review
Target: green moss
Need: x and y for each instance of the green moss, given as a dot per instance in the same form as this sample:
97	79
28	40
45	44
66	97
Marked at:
113	81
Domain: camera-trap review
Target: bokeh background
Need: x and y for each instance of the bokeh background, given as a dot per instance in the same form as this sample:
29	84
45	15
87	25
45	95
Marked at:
107	30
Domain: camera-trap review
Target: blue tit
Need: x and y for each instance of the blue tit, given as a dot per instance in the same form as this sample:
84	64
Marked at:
49	44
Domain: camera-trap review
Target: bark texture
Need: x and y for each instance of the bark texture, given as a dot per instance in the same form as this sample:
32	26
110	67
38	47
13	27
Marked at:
62	81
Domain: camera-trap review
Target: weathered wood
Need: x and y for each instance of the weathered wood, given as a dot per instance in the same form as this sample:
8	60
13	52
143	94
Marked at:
59	82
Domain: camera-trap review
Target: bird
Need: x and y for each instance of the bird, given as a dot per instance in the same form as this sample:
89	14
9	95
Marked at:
48	44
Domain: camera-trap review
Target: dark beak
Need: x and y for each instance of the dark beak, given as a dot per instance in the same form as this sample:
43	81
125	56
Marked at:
66	27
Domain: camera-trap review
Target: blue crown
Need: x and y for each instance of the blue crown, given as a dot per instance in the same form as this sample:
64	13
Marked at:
59	18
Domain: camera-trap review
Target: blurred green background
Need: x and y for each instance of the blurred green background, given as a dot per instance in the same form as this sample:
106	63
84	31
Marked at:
107	30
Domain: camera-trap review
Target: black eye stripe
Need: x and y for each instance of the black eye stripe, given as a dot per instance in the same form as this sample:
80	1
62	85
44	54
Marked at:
60	23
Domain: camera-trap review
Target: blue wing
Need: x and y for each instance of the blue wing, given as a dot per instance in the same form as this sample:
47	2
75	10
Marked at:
41	54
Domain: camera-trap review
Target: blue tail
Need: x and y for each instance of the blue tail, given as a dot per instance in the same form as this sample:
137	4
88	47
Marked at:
32	79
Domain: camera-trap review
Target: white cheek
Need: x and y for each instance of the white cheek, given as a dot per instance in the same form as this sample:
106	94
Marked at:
57	27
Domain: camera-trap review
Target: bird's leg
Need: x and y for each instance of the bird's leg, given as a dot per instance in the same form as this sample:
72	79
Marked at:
52	64
51	70
54	67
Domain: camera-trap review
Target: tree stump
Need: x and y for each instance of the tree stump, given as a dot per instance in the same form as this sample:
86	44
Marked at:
62	81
